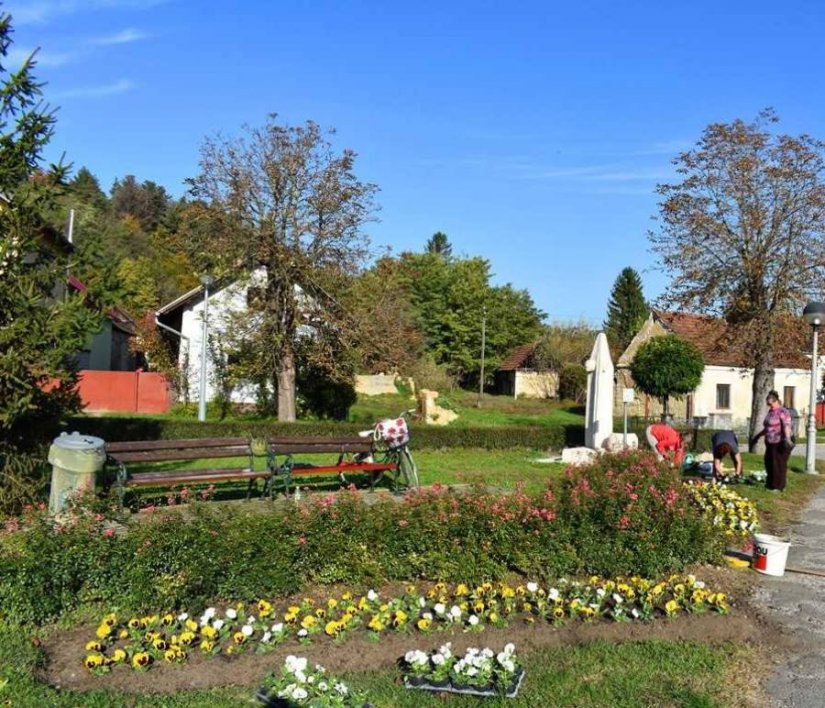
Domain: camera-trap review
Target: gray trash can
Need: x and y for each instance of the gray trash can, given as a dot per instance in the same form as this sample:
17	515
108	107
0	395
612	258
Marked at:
76	459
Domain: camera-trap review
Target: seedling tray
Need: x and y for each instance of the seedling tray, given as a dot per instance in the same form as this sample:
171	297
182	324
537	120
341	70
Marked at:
490	692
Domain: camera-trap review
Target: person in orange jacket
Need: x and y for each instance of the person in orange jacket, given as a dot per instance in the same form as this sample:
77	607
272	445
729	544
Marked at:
667	443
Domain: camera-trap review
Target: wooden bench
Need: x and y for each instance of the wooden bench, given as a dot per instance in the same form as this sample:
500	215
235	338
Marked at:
125	456
354	455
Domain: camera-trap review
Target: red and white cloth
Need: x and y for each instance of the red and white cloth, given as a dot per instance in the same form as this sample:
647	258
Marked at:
393	431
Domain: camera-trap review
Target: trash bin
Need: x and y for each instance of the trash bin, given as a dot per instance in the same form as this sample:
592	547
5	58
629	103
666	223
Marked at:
76	459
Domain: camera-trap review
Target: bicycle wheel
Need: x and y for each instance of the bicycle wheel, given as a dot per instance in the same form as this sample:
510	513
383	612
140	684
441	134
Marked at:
408	472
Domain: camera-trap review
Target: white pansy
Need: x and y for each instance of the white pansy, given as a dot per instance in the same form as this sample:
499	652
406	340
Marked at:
310	679
300	676
295	663
440	608
553	593
232	613
322	686
509	648
600	592
299	694
618	599
209	613
422	602
438	659
446	649
472	671
372	596
473	620
635	613
487	653
532	587
183	616
428	616
247	631
250	619
341	688
217	624
302	633
509	665
700	584
277	628
266	636
455	611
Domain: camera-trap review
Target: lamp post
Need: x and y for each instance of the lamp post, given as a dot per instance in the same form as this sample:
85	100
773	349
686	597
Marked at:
814	314
206	281
483	343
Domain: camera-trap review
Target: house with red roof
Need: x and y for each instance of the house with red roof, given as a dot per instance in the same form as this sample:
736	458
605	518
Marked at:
520	374
723	398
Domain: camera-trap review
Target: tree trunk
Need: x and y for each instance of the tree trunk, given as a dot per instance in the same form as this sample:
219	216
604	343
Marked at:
286	387
763	375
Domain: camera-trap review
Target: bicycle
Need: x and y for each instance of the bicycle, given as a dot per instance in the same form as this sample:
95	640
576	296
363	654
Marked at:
390	444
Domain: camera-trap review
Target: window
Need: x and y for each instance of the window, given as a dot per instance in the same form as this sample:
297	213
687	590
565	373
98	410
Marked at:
788	396
723	396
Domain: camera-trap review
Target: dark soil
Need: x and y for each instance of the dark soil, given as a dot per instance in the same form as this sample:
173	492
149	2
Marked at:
64	651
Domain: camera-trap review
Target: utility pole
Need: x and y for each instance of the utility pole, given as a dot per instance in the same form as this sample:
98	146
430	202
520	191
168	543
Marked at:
483	344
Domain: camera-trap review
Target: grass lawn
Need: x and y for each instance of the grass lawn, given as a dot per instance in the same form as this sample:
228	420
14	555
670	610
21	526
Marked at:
655	673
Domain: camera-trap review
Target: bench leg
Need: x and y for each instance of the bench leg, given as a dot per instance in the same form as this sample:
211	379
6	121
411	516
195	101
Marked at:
249	489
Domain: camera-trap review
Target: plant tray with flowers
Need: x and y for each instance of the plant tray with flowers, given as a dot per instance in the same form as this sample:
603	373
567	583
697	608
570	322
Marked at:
300	685
480	672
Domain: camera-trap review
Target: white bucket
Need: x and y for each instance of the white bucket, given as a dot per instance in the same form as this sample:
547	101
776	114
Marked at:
770	554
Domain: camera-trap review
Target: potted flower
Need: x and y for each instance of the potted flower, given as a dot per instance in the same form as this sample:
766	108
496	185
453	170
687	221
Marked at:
416	667
441	664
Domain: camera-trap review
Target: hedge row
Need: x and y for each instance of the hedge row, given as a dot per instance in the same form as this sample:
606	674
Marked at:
625	514
423	437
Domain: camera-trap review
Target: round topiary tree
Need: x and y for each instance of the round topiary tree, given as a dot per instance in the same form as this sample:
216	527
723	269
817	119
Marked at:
667	366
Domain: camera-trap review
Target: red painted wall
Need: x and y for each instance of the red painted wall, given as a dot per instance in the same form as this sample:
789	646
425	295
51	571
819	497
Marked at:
124	392
820	414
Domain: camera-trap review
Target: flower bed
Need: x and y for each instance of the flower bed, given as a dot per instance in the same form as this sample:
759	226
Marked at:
726	510
299	685
480	672
594	519
141	641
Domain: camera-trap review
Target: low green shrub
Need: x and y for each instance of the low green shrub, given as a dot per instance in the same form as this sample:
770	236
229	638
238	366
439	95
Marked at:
625	514
423	437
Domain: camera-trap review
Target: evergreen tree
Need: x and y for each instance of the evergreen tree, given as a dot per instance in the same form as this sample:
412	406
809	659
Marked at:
626	309
41	324
439	244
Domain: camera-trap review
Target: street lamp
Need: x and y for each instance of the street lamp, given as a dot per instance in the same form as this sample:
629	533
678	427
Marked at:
206	281
814	314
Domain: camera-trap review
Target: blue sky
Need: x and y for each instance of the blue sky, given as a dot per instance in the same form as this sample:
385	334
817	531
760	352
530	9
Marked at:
532	133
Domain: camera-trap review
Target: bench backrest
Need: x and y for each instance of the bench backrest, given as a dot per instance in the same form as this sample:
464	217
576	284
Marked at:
170	450
307	445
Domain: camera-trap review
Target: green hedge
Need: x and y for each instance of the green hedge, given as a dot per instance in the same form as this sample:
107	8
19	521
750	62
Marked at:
423	437
625	514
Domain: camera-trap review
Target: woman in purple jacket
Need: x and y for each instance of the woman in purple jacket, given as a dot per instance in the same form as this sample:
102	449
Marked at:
778	444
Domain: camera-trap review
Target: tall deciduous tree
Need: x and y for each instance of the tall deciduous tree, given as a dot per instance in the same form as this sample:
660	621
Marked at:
41	325
743	234
667	366
282	200
626	309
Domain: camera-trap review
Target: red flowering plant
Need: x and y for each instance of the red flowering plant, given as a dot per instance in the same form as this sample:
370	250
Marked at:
629	513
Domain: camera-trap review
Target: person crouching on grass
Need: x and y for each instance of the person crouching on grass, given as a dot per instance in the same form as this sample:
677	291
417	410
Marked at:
724	443
667	443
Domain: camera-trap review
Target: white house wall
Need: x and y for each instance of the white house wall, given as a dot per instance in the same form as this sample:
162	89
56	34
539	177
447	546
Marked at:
534	384
222	304
741	387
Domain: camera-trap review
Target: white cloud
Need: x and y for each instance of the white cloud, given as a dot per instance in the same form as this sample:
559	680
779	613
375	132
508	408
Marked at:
123	37
101	91
26	12
17	55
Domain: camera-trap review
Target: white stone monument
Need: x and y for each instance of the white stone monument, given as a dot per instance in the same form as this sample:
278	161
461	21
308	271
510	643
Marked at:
599	413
